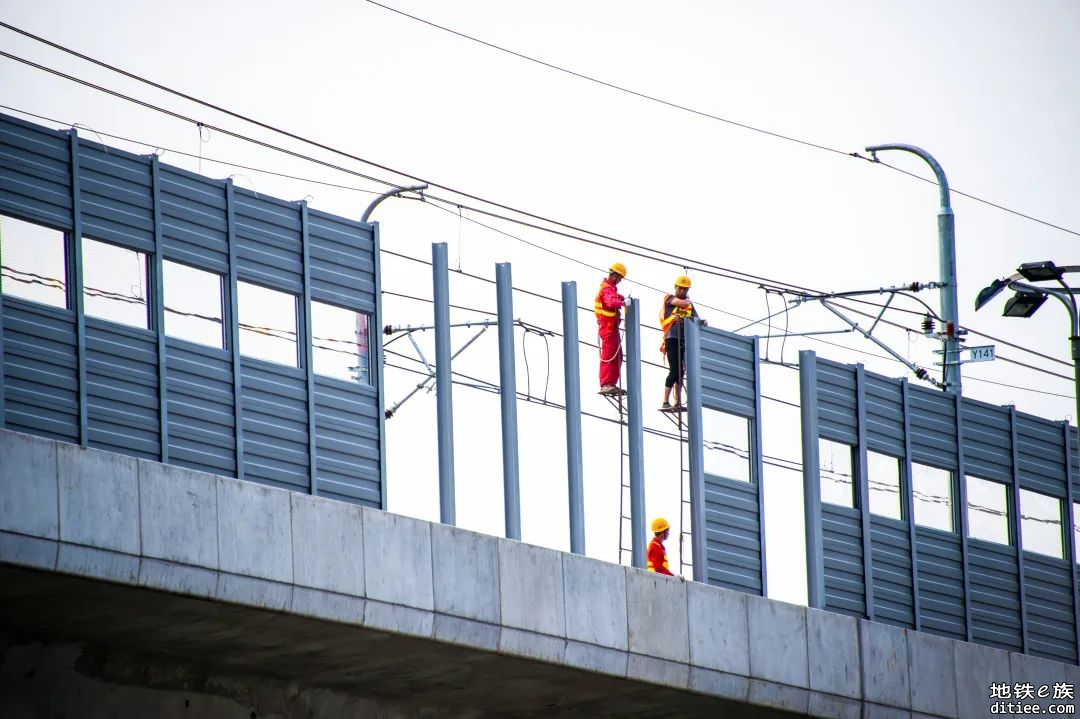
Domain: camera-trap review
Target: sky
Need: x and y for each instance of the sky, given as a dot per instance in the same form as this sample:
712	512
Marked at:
986	87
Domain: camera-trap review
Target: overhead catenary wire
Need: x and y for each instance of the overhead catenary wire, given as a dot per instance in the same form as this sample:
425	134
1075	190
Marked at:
474	382
481	224
781	358
300	138
707	115
337	151
785	311
482	385
287	334
708	268
1015	386
650	327
546	297
589	310
610	85
55	283
998	356
657	364
555	333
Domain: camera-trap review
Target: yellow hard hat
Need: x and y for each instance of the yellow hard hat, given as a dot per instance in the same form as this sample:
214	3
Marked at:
659	525
682	281
618	267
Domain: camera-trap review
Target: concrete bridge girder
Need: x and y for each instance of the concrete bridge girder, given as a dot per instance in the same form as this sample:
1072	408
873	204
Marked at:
129	555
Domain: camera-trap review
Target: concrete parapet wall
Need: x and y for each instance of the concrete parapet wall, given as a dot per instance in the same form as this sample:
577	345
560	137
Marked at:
108	517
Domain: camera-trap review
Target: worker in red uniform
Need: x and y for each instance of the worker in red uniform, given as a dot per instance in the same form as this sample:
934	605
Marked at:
607	307
657	554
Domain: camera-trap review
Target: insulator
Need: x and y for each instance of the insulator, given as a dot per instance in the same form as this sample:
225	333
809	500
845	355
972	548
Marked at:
921	373
927	325
389	330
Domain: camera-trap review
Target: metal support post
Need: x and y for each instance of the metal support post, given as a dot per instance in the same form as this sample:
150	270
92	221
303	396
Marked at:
75	292
635	429
440	271
1017	530
377	365
697	453
861	477
1074	344
572	372
233	309
1070	529
504	290
815	558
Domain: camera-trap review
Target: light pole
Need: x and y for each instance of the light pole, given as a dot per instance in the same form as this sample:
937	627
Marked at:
947	263
1030	297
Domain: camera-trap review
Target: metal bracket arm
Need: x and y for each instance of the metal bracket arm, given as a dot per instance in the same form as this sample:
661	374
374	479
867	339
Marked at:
424	383
916	369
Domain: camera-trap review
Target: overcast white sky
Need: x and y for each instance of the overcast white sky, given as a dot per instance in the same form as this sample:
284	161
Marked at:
989	88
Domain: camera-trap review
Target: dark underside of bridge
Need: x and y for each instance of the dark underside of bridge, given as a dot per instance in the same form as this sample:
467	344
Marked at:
154	640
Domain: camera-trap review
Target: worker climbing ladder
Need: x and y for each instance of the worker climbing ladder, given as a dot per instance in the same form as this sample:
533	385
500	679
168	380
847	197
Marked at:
686	564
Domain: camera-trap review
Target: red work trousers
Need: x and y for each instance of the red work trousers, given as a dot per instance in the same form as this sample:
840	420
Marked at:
610	352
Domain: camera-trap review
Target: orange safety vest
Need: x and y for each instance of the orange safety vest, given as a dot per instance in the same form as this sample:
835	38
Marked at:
598	304
667	322
657	558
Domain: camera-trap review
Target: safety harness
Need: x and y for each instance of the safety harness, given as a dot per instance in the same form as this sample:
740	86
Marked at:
667	321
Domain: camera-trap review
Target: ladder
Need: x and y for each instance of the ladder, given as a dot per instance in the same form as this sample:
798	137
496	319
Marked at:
626	555
686	558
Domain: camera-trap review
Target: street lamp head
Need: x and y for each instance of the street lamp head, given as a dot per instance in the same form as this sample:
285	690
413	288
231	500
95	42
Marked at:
1040	271
1023	304
990	292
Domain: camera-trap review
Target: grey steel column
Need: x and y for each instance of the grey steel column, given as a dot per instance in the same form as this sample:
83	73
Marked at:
960	488
861	486
572	373
635	428
157	296
308	353
234	327
1017	529
815	559
759	467
949	308
504	290
1070	548
444	401
1070	493
692	398
75	290
376	365
909	507
3	419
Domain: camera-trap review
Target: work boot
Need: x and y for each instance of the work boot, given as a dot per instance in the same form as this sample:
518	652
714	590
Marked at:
609	389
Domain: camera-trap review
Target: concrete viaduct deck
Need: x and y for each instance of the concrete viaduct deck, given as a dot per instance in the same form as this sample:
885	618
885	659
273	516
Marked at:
129	585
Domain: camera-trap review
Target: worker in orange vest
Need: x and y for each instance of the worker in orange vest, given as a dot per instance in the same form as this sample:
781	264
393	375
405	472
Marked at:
607	306
676	309
657	556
